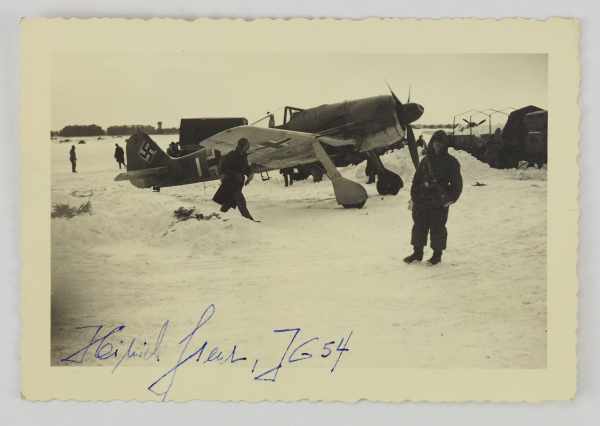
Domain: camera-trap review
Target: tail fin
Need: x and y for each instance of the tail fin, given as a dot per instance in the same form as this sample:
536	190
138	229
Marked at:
144	153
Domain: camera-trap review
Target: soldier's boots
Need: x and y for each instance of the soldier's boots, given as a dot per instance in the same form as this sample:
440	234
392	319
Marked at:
416	256
436	258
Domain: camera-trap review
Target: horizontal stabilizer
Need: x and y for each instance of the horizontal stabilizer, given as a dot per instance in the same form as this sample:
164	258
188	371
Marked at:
155	171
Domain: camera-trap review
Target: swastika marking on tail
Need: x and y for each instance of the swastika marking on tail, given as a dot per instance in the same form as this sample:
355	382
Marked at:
146	152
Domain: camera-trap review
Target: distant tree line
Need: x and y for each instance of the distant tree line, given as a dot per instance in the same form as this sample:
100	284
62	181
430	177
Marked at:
128	130
81	130
120	130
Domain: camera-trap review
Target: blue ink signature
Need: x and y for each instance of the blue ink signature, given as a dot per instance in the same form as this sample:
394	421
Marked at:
292	354
107	344
107	349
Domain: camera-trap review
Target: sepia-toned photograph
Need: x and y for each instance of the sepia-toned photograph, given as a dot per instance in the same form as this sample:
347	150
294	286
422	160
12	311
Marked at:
225	215
408	188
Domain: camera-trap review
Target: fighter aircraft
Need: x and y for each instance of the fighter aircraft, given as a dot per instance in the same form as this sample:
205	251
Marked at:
471	124
334	135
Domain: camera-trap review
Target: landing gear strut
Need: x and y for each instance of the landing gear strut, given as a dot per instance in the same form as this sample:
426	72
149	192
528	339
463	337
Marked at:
388	182
347	193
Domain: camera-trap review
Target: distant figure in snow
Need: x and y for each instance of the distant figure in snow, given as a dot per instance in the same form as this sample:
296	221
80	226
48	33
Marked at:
235	169
436	185
421	142
119	155
73	159
288	176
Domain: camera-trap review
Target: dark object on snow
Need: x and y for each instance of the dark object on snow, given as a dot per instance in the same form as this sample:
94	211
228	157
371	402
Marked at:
81	142
182	214
479	184
65	210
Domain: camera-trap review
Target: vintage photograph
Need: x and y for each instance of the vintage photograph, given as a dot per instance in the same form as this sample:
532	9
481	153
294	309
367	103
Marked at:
278	212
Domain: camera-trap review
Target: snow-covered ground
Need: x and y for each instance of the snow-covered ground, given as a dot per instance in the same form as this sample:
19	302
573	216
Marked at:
309	264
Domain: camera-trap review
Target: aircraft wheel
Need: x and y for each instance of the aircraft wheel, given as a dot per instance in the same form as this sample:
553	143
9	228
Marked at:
389	183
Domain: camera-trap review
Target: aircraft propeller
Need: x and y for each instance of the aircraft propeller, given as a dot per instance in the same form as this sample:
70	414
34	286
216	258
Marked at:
406	114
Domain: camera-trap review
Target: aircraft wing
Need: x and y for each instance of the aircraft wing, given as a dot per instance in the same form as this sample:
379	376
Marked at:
272	148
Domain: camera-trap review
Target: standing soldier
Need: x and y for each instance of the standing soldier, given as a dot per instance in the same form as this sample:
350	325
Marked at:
73	159
436	185
234	168
119	155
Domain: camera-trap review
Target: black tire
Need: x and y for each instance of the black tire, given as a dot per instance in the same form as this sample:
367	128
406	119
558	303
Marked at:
389	184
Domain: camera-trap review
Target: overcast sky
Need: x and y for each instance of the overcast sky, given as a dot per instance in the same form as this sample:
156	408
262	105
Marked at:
143	89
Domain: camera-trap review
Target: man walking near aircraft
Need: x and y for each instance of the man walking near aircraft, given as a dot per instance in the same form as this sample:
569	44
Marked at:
119	155
73	159
235	169
436	185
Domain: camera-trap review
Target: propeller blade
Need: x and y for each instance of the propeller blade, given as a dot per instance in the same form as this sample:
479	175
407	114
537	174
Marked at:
399	106
412	146
482	121
393	94
412	143
466	121
408	100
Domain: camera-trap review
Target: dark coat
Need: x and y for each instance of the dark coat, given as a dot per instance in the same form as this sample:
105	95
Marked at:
437	180
234	165
119	154
235	162
72	155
